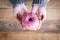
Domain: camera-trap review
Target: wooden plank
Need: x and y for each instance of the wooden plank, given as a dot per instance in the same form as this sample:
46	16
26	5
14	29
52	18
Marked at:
49	37
5	4
53	4
6	14
28	36
53	14
58	36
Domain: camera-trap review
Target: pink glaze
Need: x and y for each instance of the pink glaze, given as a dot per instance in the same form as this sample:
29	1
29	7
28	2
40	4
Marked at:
30	21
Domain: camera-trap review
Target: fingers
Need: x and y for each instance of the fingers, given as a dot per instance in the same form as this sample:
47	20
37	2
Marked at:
21	9
25	7
17	10
42	13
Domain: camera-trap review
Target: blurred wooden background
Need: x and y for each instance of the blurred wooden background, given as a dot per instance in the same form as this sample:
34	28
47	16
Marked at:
53	9
53	15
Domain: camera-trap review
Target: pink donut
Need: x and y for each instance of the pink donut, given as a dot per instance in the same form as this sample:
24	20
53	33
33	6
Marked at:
30	21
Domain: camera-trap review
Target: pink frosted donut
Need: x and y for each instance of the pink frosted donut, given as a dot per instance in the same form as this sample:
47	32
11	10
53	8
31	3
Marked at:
30	21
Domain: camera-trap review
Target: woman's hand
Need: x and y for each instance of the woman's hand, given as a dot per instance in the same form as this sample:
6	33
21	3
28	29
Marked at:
40	12
19	10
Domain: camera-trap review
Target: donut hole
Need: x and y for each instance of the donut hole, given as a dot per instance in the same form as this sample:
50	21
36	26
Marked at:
30	19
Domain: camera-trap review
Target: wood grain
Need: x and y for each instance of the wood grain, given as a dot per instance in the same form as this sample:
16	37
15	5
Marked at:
53	10
50	30
28	36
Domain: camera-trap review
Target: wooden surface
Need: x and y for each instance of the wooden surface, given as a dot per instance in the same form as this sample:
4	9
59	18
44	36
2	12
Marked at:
50	30
53	9
13	26
11	30
29	36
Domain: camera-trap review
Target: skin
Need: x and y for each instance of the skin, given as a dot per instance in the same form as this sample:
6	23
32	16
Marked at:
19	10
